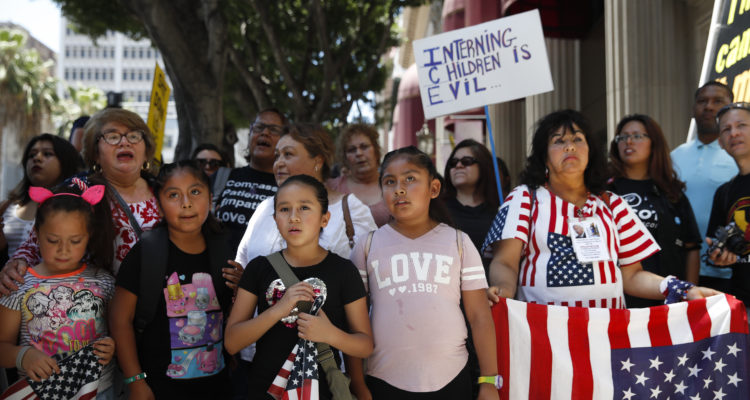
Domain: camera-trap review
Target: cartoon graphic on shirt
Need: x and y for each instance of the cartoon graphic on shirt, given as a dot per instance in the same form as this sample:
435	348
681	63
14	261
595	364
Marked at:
64	317
195	326
741	217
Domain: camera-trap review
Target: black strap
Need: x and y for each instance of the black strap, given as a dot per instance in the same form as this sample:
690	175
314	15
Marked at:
154	248
348	220
282	268
220	180
126	209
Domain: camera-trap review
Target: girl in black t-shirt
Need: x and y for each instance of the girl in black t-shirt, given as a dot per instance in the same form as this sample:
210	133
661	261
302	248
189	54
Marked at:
178	352
301	213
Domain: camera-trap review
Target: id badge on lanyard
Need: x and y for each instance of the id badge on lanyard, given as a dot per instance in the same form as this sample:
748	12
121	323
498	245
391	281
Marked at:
588	238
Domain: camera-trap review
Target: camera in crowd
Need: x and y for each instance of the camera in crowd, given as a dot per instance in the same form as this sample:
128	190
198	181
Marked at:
728	237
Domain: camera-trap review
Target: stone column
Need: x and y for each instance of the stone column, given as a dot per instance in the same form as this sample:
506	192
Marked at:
646	46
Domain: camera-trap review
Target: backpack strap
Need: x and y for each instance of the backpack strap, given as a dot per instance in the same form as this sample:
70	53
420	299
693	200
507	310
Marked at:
154	245
126	209
368	243
348	220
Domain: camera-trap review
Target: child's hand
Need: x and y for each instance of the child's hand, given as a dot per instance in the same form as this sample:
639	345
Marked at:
493	295
104	349
139	390
301	291
38	365
232	274
699	292
11	274
317	328
488	392
361	391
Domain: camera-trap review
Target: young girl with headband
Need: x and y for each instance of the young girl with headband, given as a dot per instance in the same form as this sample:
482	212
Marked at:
61	306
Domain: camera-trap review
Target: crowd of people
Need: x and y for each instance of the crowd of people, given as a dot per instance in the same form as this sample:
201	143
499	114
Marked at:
207	281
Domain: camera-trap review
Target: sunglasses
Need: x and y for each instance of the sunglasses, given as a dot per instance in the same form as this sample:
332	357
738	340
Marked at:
465	161
211	163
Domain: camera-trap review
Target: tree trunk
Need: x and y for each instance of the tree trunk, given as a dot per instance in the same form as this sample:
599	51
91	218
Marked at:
191	35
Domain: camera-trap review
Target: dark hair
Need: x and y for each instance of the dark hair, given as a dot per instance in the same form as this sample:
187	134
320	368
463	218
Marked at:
272	110
342	142
211	225
717	84
486	185
98	222
70	164
660	164
78	123
534	173
211	147
413	155
316	141
320	190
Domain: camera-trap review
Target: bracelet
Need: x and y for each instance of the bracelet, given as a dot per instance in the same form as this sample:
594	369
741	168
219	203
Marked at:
19	357
674	290
134	378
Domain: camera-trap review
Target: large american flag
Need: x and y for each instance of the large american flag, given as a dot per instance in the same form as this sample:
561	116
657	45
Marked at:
298	377
78	379
695	350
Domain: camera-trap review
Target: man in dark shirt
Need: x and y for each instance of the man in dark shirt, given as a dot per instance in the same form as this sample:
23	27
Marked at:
248	186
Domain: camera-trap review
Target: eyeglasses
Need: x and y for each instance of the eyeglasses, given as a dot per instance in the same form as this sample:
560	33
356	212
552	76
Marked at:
636	137
210	162
465	161
275	130
114	138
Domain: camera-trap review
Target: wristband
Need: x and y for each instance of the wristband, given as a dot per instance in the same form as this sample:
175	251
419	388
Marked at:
134	378
674	290
19	357
495	380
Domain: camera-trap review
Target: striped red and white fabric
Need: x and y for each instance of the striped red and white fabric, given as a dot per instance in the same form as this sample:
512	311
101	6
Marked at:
695	350
550	273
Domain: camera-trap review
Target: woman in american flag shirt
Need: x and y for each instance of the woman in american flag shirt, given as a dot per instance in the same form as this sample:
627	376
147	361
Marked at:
536	257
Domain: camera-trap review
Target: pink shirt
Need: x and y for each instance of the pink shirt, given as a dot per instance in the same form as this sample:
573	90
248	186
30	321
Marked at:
415	286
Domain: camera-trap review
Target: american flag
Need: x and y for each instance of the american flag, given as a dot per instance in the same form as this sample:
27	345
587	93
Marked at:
78	379
695	350
298	377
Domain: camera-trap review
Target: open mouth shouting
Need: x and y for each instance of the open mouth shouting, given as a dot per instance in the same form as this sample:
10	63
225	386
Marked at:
125	155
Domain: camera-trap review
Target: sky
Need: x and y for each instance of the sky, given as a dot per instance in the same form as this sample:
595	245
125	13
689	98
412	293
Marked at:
40	17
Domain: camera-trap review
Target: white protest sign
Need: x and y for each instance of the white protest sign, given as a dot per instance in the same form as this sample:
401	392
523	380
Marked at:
489	63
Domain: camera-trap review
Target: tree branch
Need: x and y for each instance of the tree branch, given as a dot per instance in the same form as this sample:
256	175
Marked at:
253	83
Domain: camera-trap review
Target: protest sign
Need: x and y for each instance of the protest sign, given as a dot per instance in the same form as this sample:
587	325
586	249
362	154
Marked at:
493	62
157	110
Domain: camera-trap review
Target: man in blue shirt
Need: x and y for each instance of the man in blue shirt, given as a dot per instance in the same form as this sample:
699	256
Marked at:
703	165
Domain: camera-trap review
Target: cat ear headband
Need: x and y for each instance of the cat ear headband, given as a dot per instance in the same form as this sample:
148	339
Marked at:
92	195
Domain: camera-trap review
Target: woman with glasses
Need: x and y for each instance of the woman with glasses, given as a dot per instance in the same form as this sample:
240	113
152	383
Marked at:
210	158
358	152
642	174
117	148
470	191
536	255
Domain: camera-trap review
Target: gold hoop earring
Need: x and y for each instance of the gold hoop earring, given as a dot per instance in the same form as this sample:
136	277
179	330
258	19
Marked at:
96	168
146	166
316	168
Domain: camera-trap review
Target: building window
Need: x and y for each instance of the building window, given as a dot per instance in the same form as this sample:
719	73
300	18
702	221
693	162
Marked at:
111	74
104	53
88	74
67	51
140	53
140	75
89	52
66	74
125	52
148	75
148	53
124	75
132	75
140	98
73	74
96	75
74	52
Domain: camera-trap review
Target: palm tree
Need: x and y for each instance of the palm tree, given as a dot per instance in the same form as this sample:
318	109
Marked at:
27	95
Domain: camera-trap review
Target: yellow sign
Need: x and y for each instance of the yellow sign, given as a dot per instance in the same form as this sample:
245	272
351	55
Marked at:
157	110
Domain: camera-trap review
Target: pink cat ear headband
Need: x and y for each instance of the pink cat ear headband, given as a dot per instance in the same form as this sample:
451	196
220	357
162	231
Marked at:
92	195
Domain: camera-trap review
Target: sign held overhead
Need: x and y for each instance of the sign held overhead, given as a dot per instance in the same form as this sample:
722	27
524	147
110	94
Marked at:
489	63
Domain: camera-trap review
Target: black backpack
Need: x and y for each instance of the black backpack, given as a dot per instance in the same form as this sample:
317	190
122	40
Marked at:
154	245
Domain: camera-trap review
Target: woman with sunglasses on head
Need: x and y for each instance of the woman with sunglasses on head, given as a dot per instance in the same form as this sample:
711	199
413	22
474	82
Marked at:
470	191
210	158
642	174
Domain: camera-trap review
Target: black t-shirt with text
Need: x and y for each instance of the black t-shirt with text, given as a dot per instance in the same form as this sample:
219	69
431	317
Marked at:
245	189
343	284
732	204
673	226
182	357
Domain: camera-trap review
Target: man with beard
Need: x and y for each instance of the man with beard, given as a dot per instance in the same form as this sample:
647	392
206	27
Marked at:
248	186
703	165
